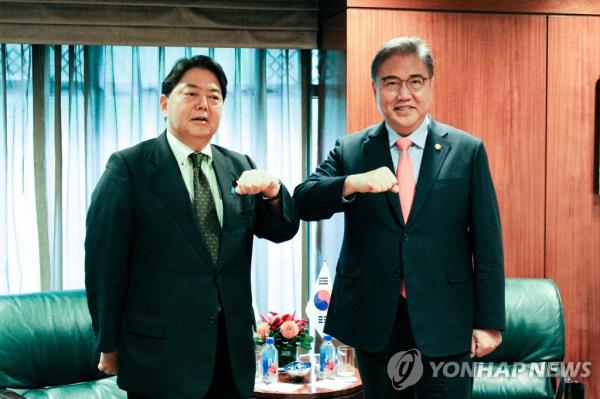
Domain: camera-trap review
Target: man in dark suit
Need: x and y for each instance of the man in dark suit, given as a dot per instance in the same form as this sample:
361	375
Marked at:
421	264
169	246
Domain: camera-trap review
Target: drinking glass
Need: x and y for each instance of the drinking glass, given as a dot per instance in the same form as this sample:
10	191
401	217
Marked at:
345	364
258	374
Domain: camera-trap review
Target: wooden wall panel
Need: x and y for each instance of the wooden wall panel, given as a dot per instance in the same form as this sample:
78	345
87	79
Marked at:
573	210
333	32
490	81
521	6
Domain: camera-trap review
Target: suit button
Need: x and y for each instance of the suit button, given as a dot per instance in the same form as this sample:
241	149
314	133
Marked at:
398	274
211	320
405	237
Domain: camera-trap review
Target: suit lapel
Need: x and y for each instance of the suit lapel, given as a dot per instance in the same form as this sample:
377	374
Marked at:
226	176
434	154
376	151
168	183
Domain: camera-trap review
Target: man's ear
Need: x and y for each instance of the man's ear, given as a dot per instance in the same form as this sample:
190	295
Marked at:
163	104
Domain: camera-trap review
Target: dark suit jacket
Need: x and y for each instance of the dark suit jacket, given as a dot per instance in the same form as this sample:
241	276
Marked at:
449	252
152	287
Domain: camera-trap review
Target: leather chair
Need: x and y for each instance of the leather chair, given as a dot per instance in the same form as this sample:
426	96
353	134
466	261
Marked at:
47	349
533	342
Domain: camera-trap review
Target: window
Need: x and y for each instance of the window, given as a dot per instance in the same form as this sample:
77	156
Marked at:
65	109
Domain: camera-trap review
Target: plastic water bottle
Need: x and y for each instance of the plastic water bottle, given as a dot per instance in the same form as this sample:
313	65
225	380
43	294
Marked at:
269	362
327	358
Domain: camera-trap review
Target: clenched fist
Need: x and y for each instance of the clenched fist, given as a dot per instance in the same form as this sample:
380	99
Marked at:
109	363
484	342
258	181
375	181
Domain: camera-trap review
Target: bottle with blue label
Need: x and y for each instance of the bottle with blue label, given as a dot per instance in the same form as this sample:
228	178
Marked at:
269	362
327	358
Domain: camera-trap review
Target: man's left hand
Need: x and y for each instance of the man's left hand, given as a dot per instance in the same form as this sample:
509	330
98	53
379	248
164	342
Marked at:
484	342
257	181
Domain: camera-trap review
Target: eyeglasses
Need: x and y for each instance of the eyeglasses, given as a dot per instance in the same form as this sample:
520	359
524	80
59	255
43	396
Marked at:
413	84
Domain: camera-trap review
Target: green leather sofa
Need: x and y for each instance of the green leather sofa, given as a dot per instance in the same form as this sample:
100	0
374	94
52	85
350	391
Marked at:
534	339
47	346
47	349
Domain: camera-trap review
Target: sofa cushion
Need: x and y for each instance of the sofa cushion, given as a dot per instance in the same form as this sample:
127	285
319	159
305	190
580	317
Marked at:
500	381
105	388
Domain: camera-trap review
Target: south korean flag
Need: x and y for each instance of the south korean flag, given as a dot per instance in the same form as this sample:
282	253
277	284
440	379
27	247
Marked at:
318	303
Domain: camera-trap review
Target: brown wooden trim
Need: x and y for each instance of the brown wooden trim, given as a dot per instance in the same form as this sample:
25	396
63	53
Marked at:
582	7
333	32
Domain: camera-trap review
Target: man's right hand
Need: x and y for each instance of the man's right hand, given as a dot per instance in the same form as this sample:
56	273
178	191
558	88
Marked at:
109	363
375	181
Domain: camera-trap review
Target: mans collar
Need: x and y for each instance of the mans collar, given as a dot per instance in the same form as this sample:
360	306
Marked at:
182	151
418	137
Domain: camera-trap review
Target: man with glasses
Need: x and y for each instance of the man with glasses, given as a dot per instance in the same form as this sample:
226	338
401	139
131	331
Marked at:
420	277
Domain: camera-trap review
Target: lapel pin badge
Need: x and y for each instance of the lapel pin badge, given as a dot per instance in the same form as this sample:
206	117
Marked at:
233	187
438	147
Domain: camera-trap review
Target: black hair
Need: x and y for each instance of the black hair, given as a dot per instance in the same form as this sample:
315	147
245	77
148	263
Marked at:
185	64
402	46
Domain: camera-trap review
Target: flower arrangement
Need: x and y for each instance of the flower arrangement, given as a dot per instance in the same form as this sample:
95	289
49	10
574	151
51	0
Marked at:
287	331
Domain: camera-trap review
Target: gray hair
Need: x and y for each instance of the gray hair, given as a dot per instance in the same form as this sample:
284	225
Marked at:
402	46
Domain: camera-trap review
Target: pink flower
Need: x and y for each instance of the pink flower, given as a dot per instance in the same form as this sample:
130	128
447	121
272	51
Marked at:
275	323
301	324
289	329
262	329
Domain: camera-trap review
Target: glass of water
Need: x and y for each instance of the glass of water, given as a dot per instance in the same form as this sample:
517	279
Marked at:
345	364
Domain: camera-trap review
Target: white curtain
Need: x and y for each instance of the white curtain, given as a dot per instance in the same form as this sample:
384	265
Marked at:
88	102
19	257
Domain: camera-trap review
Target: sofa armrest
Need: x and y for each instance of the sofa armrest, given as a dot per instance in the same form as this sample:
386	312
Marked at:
6	394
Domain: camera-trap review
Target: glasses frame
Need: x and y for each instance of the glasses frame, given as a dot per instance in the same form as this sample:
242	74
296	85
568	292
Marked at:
402	83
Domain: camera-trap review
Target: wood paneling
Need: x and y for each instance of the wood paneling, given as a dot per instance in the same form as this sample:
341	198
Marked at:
333	32
573	209
538	125
329	7
489	80
514	6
